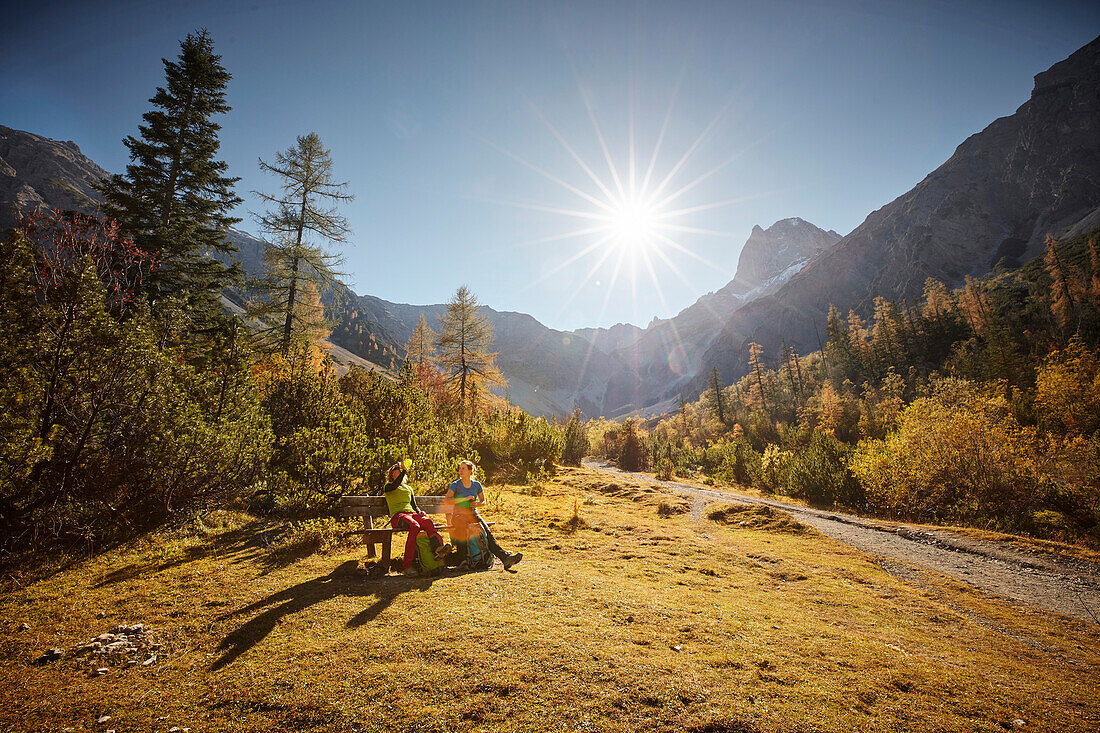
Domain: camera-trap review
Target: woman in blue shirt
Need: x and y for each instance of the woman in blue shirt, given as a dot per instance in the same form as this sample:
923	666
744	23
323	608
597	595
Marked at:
464	496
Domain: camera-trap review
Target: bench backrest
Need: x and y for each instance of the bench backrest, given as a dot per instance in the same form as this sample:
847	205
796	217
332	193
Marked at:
375	506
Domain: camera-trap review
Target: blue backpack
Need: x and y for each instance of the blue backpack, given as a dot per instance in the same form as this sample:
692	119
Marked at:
476	549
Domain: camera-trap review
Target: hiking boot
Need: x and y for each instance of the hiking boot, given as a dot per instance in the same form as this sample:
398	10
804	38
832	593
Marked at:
444	551
411	571
511	559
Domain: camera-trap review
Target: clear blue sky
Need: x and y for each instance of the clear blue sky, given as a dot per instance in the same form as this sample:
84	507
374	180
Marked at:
443	116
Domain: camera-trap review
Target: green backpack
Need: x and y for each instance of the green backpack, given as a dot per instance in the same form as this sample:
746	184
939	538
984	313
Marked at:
425	557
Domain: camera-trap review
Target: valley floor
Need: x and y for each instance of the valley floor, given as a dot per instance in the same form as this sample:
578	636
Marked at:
1056	578
629	612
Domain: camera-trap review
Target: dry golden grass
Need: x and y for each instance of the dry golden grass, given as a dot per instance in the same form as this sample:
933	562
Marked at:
618	619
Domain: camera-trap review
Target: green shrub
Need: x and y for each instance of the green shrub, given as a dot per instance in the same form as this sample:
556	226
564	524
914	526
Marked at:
575	445
633	455
819	473
513	445
738	463
108	430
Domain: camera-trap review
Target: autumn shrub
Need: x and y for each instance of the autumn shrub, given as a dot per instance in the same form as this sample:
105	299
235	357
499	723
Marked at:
958	453
605	438
774	466
1067	390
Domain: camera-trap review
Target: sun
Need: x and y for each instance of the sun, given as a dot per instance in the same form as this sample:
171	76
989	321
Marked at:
632	213
633	223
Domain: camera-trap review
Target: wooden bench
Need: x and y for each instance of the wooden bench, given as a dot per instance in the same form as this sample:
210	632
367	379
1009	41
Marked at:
374	507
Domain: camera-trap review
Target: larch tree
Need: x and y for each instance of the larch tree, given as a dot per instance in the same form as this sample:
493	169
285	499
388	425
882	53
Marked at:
301	220
756	366
175	199
420	350
464	340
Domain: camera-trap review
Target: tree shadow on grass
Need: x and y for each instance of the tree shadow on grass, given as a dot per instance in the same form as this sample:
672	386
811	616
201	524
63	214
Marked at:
344	580
252	537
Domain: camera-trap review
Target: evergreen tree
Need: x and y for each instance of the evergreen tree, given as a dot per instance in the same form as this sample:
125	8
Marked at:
298	216
175	199
716	385
576	444
464	339
756	366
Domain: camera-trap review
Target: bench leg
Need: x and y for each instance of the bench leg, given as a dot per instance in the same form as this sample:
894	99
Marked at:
368	523
386	552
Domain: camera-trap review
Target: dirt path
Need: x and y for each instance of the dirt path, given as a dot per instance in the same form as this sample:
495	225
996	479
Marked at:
1053	582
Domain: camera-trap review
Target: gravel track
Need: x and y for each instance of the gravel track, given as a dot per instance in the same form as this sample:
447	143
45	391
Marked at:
1053	582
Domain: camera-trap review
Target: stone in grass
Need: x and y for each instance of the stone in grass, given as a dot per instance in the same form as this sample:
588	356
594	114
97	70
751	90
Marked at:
103	719
25	627
50	655
102	671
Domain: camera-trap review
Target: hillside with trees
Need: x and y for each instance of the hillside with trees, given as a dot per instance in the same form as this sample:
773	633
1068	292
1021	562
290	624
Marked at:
978	405
134	399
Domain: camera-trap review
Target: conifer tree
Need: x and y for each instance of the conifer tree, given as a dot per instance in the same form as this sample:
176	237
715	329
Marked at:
684	430
175	199
464	339
756	365
1067	285
420	350
716	385
298	217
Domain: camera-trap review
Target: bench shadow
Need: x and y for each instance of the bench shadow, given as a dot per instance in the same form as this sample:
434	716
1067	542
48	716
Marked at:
344	580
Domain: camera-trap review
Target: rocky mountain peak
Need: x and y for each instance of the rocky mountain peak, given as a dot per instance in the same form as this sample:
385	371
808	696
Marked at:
769	252
37	171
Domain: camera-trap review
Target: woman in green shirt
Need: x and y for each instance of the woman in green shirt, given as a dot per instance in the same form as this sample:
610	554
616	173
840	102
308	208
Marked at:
404	514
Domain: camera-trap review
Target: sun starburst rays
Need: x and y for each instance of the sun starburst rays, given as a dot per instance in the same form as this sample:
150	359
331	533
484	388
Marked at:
633	215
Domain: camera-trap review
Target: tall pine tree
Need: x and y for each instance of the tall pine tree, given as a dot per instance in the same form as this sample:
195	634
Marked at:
297	218
175	199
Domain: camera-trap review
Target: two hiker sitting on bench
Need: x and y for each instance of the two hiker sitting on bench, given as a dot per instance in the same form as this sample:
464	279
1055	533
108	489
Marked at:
404	514
463	498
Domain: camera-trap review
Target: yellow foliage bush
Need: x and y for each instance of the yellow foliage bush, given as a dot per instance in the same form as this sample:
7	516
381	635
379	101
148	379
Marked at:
959	453
1067	390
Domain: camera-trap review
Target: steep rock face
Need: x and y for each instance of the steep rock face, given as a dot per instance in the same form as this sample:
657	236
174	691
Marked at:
662	362
1004	190
37	171
768	252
